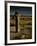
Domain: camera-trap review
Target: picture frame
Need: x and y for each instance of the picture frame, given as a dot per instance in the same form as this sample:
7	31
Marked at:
10	6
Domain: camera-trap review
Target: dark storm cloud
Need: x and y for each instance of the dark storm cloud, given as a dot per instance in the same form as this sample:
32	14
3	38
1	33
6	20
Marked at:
22	10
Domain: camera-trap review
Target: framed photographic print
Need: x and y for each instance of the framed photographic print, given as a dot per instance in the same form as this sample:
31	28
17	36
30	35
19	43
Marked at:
20	22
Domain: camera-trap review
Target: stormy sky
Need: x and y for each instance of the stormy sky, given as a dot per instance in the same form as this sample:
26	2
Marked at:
26	11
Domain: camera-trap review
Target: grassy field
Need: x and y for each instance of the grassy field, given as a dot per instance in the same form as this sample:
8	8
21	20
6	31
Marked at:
24	30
